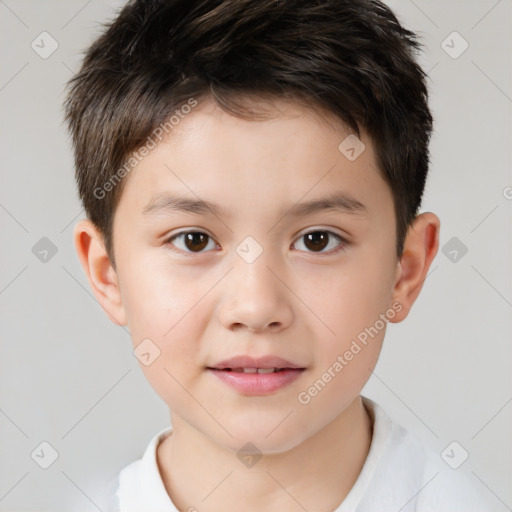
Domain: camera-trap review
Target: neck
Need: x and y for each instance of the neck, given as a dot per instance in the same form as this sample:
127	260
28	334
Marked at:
315	475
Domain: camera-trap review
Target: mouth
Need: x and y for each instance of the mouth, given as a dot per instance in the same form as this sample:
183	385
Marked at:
255	364
254	370
256	376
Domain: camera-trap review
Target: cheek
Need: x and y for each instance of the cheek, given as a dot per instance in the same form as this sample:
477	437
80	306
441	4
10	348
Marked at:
168	308
169	315
355	305
158	301
344	361
352	299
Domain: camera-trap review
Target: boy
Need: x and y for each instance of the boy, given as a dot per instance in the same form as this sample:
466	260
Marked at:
252	173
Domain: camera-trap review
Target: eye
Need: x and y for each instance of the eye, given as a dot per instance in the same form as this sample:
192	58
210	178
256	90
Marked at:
191	241
316	241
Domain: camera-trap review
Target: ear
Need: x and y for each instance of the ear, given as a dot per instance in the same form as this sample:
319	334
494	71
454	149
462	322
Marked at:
99	270
420	248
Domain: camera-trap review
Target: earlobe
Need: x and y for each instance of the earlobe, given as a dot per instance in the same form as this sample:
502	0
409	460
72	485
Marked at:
99	271
420	248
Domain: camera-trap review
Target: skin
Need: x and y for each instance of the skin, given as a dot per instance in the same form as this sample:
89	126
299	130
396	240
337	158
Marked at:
304	304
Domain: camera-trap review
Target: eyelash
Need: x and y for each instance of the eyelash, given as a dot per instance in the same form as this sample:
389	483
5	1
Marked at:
342	245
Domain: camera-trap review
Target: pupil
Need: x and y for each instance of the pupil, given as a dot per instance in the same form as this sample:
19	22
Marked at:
196	241
316	240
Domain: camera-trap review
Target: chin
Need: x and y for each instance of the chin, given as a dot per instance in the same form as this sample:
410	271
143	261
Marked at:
265	437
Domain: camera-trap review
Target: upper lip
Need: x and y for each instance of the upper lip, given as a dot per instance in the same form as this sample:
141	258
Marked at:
254	362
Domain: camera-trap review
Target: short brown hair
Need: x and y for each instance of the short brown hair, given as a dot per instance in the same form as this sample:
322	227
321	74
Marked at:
351	57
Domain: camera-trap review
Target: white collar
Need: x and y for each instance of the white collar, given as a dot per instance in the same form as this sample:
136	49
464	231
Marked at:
141	485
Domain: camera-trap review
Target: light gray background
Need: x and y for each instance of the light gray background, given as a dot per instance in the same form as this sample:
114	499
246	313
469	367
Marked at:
68	375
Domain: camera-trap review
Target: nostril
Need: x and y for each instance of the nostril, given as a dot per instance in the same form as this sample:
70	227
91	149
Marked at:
238	326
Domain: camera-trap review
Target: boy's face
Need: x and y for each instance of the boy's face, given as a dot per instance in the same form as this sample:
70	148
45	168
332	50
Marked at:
253	284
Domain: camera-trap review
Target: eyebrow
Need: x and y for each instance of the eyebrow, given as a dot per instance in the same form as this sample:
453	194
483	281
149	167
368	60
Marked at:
340	202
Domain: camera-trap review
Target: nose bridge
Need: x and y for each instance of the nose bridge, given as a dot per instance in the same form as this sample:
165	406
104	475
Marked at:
255	298
255	275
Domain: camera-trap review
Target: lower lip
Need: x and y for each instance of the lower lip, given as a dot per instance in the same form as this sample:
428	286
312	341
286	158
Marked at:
257	383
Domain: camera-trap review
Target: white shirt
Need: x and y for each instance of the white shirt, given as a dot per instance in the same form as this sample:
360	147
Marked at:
400	474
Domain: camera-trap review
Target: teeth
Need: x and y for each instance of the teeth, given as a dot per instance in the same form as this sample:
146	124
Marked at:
255	370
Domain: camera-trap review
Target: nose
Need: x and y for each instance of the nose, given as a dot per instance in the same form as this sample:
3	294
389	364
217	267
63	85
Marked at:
254	299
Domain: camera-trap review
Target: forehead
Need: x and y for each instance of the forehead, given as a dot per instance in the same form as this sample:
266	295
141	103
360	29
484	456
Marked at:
293	155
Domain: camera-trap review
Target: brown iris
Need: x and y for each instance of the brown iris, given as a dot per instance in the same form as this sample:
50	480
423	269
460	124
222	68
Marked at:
196	241
316	240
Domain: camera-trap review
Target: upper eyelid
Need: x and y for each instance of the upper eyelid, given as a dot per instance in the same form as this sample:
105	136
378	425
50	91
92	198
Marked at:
314	229
185	231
